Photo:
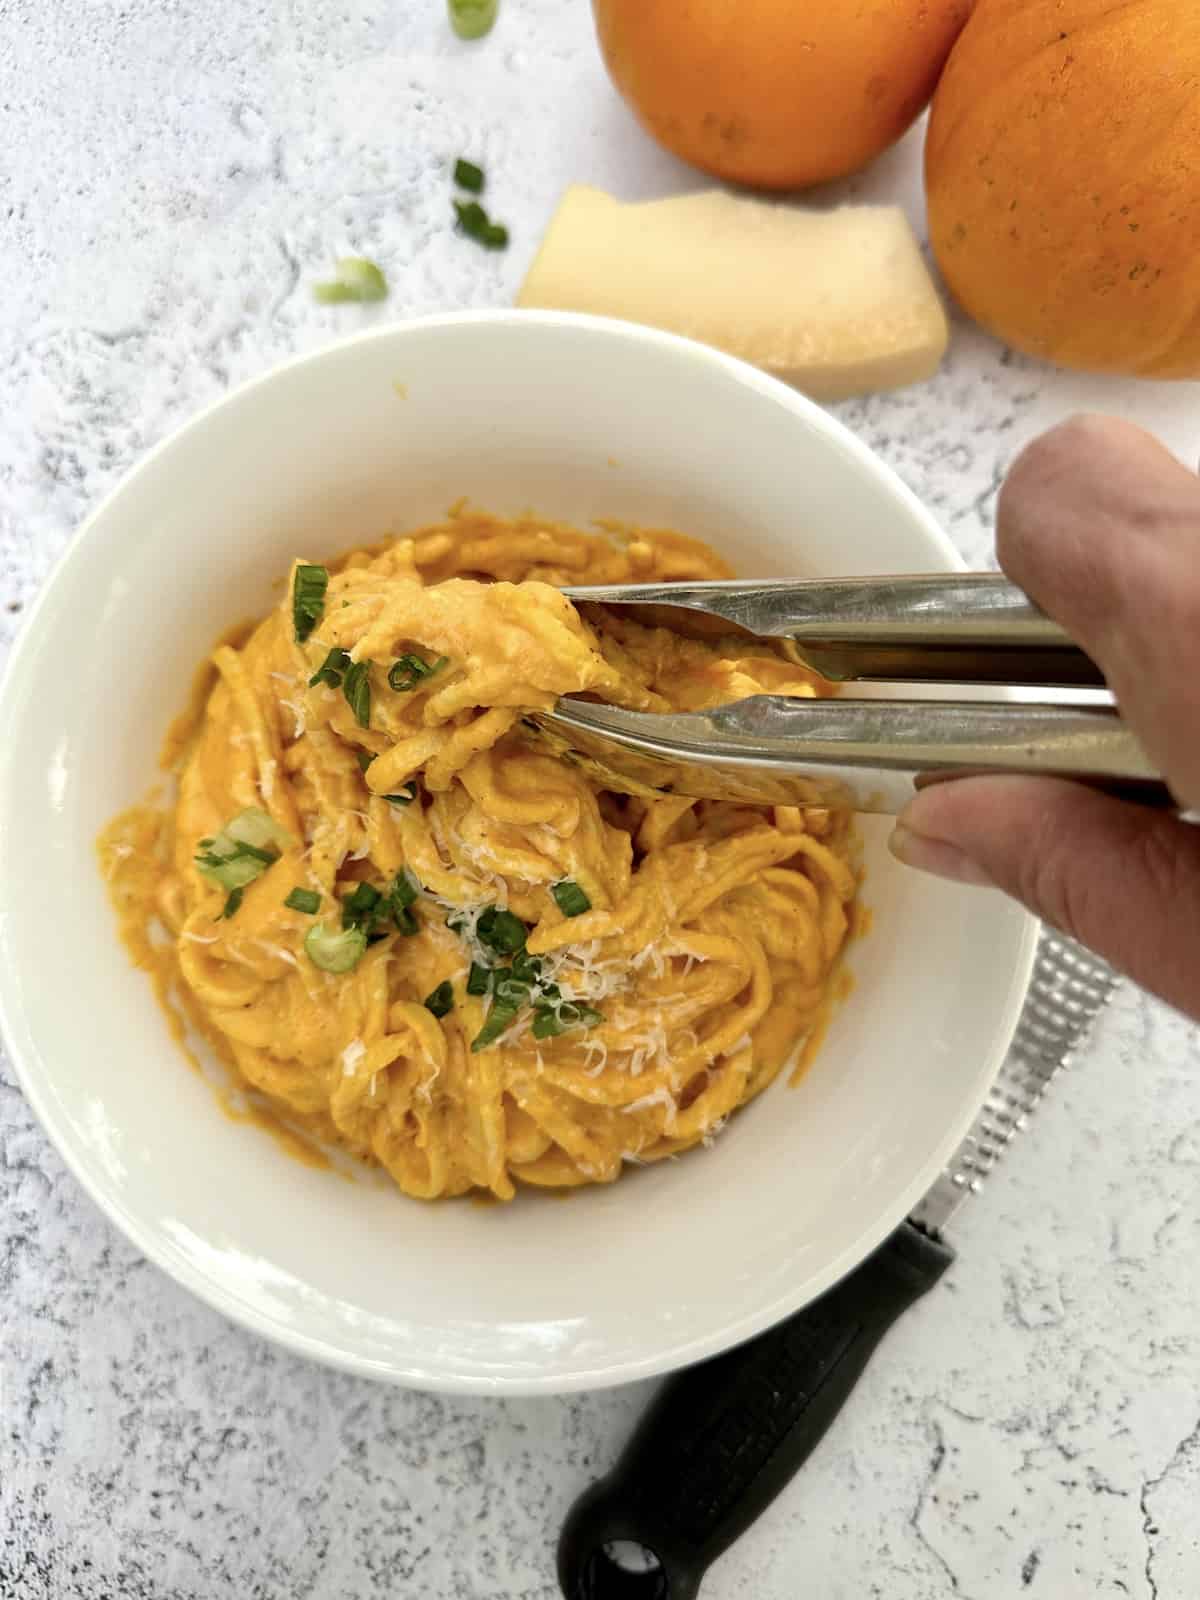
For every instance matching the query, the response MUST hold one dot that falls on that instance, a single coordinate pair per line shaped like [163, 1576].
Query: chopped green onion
[360, 905]
[243, 850]
[405, 797]
[570, 898]
[403, 890]
[441, 1001]
[501, 931]
[230, 872]
[468, 176]
[308, 599]
[526, 967]
[233, 902]
[254, 828]
[479, 979]
[408, 671]
[510, 990]
[400, 896]
[251, 852]
[355, 278]
[338, 951]
[551, 1020]
[499, 1019]
[471, 19]
[356, 686]
[331, 669]
[366, 907]
[306, 900]
[476, 224]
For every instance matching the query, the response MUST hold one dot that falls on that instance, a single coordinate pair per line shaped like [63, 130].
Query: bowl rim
[145, 1232]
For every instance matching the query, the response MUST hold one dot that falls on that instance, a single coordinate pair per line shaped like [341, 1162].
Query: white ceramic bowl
[576, 418]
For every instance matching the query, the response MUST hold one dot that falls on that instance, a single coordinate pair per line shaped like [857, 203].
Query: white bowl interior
[578, 420]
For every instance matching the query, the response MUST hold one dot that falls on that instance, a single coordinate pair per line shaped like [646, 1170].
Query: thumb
[1121, 879]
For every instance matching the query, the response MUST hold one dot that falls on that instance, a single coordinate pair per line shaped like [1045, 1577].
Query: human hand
[1100, 525]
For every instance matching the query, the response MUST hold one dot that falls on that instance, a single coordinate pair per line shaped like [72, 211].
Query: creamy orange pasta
[413, 933]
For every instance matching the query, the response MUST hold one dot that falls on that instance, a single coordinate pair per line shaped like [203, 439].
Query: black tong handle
[722, 1439]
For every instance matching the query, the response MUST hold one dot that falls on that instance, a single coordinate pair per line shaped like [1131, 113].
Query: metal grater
[1068, 990]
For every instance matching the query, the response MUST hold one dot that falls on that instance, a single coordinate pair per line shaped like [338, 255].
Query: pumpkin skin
[777, 94]
[1062, 170]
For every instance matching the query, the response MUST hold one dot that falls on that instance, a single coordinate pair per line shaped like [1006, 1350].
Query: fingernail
[937, 857]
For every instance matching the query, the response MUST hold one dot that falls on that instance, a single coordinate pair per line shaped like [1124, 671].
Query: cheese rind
[838, 303]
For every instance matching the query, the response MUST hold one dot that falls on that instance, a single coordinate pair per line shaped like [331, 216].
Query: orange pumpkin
[1063, 174]
[777, 94]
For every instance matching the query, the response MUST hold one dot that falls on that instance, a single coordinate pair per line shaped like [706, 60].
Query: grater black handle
[721, 1439]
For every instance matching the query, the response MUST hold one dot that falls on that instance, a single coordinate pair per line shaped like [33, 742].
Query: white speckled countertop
[174, 176]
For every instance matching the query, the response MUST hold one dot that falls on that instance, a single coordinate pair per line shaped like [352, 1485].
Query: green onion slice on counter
[468, 176]
[354, 278]
[471, 19]
[476, 224]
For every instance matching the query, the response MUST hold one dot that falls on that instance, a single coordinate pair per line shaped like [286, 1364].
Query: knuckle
[1158, 866]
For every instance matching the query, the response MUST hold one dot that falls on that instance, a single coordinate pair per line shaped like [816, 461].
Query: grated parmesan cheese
[298, 717]
[595, 1047]
[653, 957]
[710, 1134]
[467, 917]
[582, 975]
[662, 1096]
[276, 950]
[655, 1047]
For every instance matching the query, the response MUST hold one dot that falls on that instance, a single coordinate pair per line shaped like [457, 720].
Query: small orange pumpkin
[1062, 167]
[777, 94]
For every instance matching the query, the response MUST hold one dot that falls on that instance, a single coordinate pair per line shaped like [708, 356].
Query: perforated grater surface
[1068, 990]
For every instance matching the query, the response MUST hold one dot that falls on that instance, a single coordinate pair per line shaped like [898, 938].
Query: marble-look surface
[173, 178]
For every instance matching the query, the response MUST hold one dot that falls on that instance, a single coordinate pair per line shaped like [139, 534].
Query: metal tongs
[866, 754]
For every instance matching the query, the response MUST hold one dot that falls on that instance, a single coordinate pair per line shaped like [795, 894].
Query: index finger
[1100, 525]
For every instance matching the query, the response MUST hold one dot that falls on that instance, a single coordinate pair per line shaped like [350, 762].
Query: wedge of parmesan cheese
[837, 302]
